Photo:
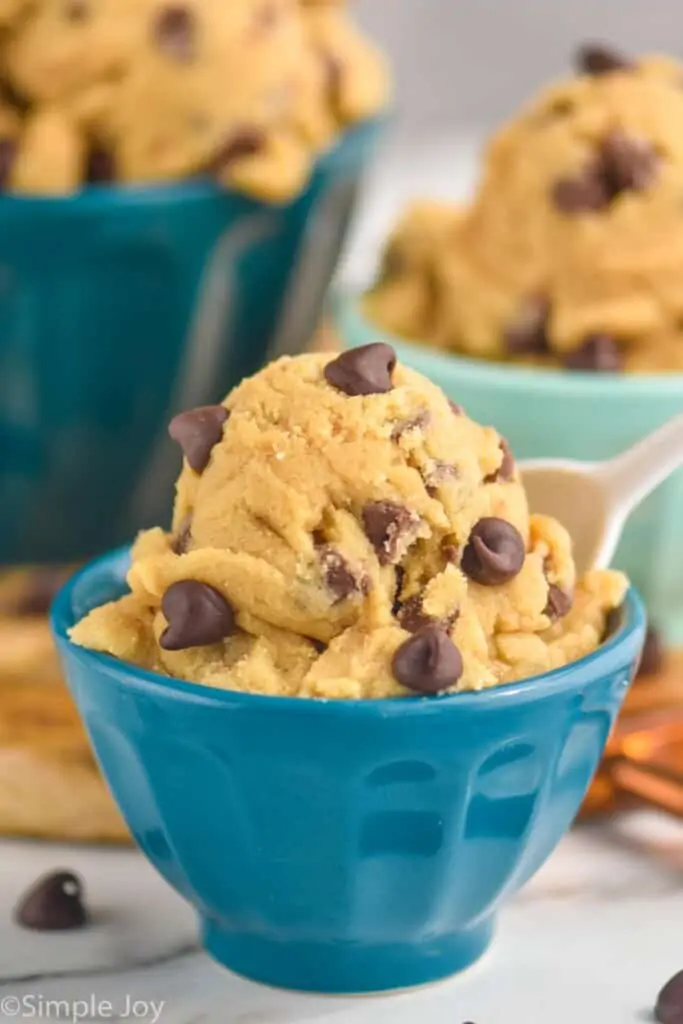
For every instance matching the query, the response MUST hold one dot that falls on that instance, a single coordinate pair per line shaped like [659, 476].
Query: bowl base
[345, 968]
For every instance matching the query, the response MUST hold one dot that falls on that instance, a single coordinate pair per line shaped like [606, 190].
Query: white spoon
[593, 500]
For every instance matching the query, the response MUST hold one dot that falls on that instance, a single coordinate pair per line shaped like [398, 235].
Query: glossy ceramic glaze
[118, 308]
[344, 846]
[554, 413]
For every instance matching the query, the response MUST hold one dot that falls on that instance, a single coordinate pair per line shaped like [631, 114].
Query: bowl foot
[345, 968]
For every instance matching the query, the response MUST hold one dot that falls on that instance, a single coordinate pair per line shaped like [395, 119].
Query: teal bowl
[344, 846]
[555, 413]
[121, 306]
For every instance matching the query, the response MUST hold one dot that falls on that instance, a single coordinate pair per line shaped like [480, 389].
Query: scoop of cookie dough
[342, 530]
[572, 249]
[250, 91]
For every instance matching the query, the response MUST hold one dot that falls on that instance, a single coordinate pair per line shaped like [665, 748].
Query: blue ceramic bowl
[573, 416]
[120, 307]
[344, 846]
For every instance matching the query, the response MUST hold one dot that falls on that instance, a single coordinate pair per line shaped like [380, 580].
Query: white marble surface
[589, 941]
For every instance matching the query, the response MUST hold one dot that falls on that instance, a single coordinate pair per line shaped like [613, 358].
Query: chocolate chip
[246, 140]
[494, 552]
[428, 662]
[174, 31]
[596, 59]
[101, 166]
[627, 163]
[76, 10]
[622, 164]
[456, 409]
[8, 153]
[652, 657]
[412, 616]
[54, 903]
[197, 616]
[506, 470]
[197, 431]
[385, 524]
[319, 645]
[339, 577]
[559, 602]
[582, 194]
[527, 334]
[362, 371]
[669, 1008]
[43, 584]
[399, 575]
[599, 353]
[421, 420]
[437, 474]
[183, 538]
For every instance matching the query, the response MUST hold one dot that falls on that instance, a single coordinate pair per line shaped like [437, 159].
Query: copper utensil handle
[656, 784]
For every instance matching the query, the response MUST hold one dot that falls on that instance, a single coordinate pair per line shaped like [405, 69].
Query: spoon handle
[633, 475]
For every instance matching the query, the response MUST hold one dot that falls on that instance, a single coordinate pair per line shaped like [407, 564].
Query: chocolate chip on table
[54, 903]
[385, 523]
[599, 353]
[652, 657]
[8, 153]
[340, 579]
[527, 334]
[363, 371]
[669, 1007]
[245, 140]
[183, 538]
[428, 661]
[197, 431]
[174, 31]
[197, 616]
[494, 553]
[559, 602]
[506, 470]
[597, 59]
[101, 166]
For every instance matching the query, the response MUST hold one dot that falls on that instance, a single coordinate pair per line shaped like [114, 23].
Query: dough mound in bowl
[342, 530]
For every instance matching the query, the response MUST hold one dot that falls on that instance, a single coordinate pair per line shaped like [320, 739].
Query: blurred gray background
[470, 61]
[461, 67]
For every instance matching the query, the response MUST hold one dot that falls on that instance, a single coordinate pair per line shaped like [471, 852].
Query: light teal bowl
[568, 415]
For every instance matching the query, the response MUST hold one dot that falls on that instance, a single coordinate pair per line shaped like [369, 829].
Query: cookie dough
[147, 91]
[342, 530]
[50, 787]
[571, 251]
